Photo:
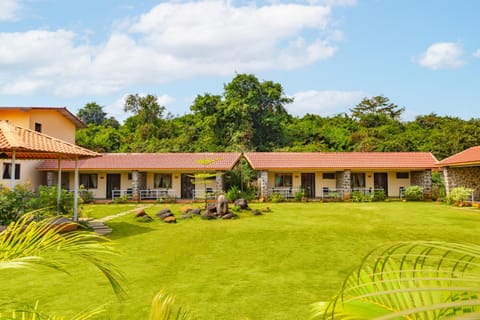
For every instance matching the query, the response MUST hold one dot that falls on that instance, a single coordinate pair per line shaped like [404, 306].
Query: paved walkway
[98, 225]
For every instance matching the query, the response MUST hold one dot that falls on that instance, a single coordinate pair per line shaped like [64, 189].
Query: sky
[424, 55]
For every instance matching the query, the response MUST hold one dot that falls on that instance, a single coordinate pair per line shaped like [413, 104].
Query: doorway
[187, 185]
[308, 184]
[380, 181]
[113, 183]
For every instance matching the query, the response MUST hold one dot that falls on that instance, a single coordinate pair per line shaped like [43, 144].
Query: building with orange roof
[462, 170]
[56, 122]
[148, 176]
[328, 174]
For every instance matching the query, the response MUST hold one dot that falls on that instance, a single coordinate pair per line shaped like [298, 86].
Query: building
[147, 176]
[463, 170]
[338, 174]
[56, 122]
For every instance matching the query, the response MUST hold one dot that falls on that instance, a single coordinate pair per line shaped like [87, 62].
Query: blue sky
[328, 54]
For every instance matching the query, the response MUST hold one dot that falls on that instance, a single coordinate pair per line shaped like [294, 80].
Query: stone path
[98, 225]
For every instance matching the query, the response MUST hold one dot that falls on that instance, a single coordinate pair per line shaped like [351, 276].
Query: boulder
[170, 219]
[196, 211]
[222, 205]
[188, 215]
[140, 212]
[163, 211]
[207, 215]
[144, 218]
[164, 215]
[229, 215]
[256, 212]
[241, 203]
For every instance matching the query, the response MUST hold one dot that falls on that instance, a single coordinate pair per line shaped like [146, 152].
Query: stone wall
[52, 178]
[219, 181]
[263, 183]
[344, 180]
[468, 177]
[139, 182]
[424, 180]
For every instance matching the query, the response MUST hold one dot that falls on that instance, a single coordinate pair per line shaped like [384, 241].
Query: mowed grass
[272, 266]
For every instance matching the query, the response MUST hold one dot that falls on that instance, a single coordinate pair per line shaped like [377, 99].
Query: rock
[188, 215]
[164, 215]
[140, 213]
[144, 218]
[211, 207]
[242, 203]
[208, 215]
[256, 212]
[170, 219]
[196, 211]
[229, 215]
[222, 205]
[163, 211]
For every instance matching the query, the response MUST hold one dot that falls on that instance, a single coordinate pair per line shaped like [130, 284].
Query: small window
[129, 176]
[7, 171]
[328, 176]
[89, 180]
[283, 180]
[403, 175]
[162, 180]
[38, 127]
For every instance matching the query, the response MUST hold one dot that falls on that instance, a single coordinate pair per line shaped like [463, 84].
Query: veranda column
[263, 181]
[135, 185]
[75, 192]
[219, 181]
[427, 184]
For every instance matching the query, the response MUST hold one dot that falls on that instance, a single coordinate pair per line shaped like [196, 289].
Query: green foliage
[92, 113]
[233, 194]
[47, 198]
[299, 195]
[359, 196]
[410, 280]
[459, 195]
[413, 193]
[438, 186]
[276, 197]
[163, 308]
[15, 203]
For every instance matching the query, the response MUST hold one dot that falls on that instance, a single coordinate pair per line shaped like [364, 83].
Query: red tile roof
[62, 110]
[467, 157]
[340, 160]
[151, 161]
[29, 144]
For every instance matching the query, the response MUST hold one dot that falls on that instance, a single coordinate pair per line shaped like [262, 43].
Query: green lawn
[257, 267]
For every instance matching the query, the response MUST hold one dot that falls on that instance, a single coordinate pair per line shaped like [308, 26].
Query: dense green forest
[250, 115]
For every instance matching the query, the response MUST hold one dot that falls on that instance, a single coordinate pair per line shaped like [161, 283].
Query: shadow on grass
[125, 229]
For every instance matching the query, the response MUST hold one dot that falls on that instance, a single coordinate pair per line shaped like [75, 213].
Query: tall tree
[92, 113]
[375, 111]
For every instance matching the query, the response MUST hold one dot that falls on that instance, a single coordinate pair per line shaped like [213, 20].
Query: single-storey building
[462, 170]
[326, 174]
[147, 176]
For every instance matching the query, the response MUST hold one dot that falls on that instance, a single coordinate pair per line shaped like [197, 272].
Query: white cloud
[324, 102]
[9, 10]
[476, 54]
[173, 40]
[442, 55]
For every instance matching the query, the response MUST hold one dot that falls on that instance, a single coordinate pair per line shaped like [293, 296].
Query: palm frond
[34, 313]
[30, 244]
[410, 280]
[163, 308]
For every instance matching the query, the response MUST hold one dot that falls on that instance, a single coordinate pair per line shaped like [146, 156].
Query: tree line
[251, 115]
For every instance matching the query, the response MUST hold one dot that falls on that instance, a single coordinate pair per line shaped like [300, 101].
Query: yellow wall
[28, 173]
[53, 124]
[394, 184]
[320, 183]
[17, 117]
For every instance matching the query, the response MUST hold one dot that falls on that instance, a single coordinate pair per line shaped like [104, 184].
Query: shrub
[358, 196]
[276, 197]
[299, 196]
[15, 203]
[459, 195]
[232, 194]
[378, 195]
[413, 193]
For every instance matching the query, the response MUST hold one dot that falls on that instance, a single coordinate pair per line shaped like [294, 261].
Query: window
[162, 180]
[283, 180]
[403, 175]
[328, 176]
[89, 180]
[129, 176]
[358, 180]
[38, 127]
[7, 171]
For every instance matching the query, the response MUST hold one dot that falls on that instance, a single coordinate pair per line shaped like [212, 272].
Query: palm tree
[410, 280]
